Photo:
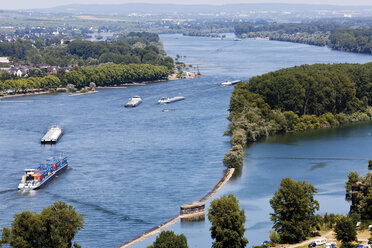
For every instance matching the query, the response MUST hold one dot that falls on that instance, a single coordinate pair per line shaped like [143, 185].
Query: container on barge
[35, 178]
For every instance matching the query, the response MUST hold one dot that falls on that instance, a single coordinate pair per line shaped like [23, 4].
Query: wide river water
[131, 169]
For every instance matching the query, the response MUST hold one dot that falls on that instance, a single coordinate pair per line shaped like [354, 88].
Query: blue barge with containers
[35, 178]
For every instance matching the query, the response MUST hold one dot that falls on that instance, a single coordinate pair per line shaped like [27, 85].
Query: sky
[30, 4]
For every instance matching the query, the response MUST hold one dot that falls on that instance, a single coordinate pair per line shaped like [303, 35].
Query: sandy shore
[86, 93]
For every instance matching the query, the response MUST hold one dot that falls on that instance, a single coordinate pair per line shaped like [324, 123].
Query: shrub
[342, 118]
[274, 237]
[238, 137]
[234, 157]
[52, 91]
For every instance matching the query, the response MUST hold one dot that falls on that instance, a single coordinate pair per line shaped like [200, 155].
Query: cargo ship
[52, 136]
[165, 100]
[133, 102]
[35, 178]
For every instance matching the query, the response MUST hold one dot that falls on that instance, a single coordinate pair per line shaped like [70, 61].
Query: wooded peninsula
[297, 99]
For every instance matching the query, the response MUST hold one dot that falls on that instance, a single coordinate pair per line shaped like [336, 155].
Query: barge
[35, 178]
[52, 136]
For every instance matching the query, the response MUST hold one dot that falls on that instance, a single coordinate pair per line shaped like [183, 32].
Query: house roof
[4, 60]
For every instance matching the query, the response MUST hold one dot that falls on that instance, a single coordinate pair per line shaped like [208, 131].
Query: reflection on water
[318, 165]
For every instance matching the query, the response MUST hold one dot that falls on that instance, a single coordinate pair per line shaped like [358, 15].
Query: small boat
[52, 136]
[165, 100]
[227, 83]
[237, 39]
[35, 178]
[133, 102]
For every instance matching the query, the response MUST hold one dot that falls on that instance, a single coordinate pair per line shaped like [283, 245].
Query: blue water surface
[131, 169]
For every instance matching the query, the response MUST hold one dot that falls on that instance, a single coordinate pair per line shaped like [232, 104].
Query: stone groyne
[188, 211]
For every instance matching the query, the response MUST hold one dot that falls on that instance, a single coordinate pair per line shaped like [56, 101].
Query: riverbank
[85, 93]
[228, 174]
[174, 76]
[90, 92]
[26, 94]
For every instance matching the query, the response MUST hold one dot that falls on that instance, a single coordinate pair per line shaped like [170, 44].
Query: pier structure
[52, 136]
[193, 211]
[188, 212]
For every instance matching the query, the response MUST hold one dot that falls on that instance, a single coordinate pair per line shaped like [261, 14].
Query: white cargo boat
[165, 100]
[133, 102]
[52, 136]
[228, 83]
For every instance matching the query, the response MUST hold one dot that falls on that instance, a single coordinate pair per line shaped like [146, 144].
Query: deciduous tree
[345, 230]
[294, 210]
[227, 223]
[168, 239]
[55, 227]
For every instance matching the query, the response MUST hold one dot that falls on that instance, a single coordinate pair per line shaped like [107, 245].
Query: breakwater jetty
[188, 211]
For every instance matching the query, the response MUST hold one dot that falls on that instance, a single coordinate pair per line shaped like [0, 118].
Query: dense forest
[134, 48]
[80, 77]
[297, 99]
[350, 37]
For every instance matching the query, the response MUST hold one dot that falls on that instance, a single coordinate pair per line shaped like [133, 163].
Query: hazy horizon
[38, 4]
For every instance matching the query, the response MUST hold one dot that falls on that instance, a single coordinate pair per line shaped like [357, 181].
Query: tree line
[80, 77]
[351, 40]
[112, 74]
[297, 99]
[132, 48]
[350, 37]
[25, 84]
[288, 28]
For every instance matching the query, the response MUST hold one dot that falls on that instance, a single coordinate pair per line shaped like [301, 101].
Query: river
[131, 169]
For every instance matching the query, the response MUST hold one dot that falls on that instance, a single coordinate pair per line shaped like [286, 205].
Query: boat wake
[102, 209]
[304, 158]
[7, 191]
